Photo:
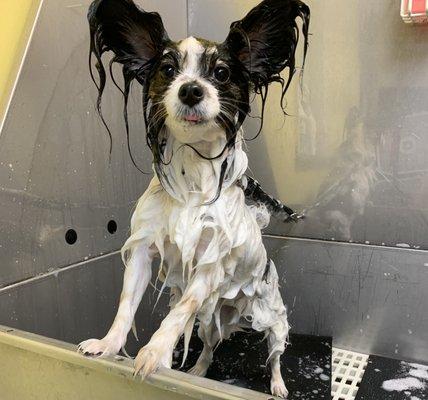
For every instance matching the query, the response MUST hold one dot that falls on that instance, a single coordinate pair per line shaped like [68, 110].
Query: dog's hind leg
[210, 337]
[137, 276]
[270, 315]
[276, 344]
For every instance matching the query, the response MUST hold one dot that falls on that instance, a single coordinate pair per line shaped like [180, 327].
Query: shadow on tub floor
[241, 361]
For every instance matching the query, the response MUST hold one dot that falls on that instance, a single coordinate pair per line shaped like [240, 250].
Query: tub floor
[388, 379]
[241, 361]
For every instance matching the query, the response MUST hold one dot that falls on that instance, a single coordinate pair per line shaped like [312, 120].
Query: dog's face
[194, 87]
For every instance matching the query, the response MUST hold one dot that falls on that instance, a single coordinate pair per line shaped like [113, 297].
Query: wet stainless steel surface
[55, 172]
[352, 151]
[76, 303]
[370, 299]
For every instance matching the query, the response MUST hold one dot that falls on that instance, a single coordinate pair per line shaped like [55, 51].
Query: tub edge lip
[167, 379]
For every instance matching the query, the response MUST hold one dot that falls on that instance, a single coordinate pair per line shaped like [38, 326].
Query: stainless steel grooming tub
[356, 269]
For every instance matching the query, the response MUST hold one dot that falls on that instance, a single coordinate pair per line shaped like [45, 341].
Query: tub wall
[351, 152]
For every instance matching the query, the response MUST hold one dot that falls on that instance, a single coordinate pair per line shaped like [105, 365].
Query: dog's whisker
[240, 109]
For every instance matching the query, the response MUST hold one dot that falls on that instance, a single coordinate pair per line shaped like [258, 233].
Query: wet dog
[196, 95]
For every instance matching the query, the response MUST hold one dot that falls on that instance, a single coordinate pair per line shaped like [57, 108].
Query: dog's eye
[168, 70]
[221, 74]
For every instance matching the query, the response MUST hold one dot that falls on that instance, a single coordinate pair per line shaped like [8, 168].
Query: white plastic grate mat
[348, 370]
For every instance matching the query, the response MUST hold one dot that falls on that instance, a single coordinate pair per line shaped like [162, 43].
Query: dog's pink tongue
[192, 118]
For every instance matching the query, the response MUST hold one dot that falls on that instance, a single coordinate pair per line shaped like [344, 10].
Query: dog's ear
[135, 36]
[265, 40]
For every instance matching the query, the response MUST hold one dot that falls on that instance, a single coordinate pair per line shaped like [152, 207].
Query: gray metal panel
[76, 303]
[369, 298]
[54, 170]
[352, 151]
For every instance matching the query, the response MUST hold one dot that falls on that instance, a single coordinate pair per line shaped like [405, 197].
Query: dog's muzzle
[191, 94]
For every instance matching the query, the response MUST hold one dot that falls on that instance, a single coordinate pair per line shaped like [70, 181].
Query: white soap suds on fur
[414, 398]
[402, 384]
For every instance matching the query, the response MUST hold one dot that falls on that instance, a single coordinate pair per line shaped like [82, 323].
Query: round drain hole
[112, 226]
[71, 236]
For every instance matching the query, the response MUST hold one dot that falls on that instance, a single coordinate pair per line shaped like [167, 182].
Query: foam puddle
[403, 384]
[414, 378]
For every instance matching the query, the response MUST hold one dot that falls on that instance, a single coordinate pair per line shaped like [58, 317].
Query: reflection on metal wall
[352, 152]
[55, 173]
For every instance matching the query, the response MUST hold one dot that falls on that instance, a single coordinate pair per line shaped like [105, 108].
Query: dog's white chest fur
[212, 259]
[221, 241]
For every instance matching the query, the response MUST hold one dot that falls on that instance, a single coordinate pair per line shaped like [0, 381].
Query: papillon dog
[194, 215]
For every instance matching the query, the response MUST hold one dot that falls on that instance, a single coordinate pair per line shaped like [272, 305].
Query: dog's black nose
[191, 94]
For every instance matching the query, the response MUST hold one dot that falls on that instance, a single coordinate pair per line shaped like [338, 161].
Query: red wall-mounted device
[414, 11]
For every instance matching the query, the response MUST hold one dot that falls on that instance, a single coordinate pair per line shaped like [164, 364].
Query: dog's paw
[149, 359]
[99, 347]
[199, 369]
[277, 388]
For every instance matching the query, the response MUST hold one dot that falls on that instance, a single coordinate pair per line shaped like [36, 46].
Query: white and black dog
[193, 214]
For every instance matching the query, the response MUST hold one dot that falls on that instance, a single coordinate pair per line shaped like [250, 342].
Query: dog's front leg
[158, 352]
[136, 278]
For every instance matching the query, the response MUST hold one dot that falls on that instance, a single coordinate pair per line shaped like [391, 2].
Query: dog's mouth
[193, 119]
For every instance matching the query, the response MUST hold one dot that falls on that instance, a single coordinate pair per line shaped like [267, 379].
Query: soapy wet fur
[193, 216]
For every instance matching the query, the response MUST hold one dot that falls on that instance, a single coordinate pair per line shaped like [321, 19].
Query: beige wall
[16, 18]
[329, 83]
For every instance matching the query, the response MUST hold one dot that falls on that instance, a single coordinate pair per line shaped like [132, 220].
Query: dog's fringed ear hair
[265, 41]
[136, 37]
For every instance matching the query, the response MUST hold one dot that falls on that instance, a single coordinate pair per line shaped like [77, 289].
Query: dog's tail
[255, 194]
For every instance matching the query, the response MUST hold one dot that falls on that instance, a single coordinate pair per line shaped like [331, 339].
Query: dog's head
[195, 85]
